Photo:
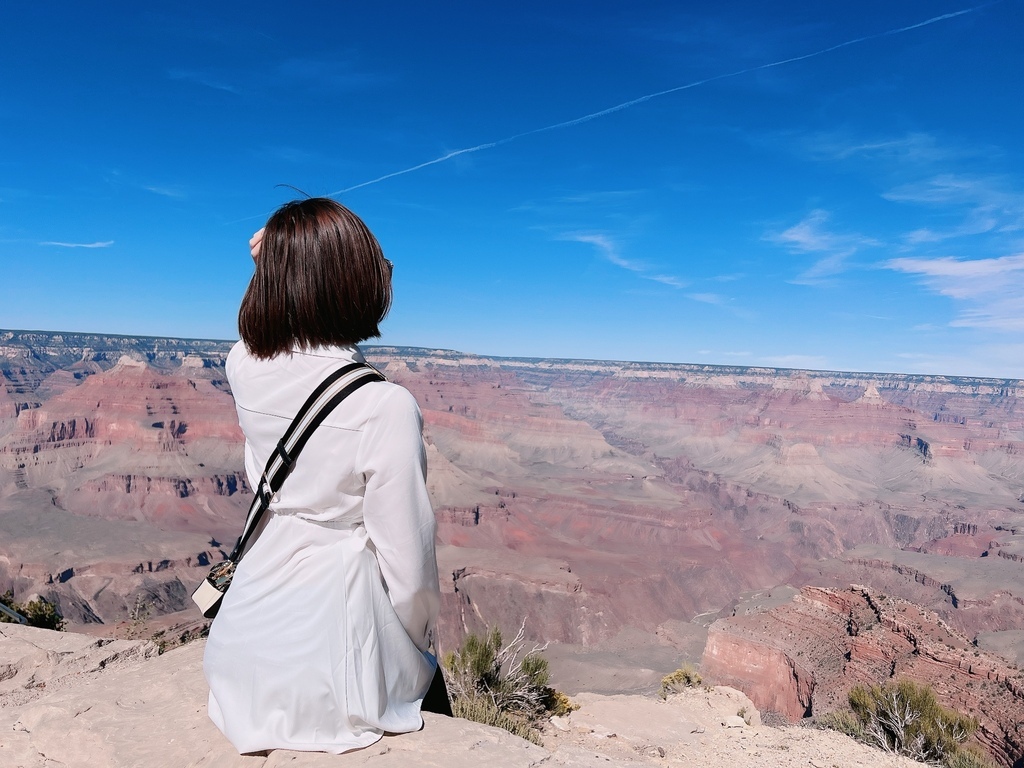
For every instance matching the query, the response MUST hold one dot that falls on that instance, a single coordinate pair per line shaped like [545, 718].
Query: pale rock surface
[690, 729]
[71, 700]
[34, 662]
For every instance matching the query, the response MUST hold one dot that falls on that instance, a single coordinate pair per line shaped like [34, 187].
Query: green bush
[482, 710]
[844, 721]
[499, 685]
[38, 613]
[906, 718]
[968, 757]
[684, 677]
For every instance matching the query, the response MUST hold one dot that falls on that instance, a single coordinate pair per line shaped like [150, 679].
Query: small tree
[500, 685]
[907, 719]
[513, 681]
[39, 612]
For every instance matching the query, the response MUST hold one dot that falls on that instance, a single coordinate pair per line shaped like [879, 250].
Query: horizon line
[607, 361]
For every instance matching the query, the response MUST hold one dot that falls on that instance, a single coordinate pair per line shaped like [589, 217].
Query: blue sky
[842, 186]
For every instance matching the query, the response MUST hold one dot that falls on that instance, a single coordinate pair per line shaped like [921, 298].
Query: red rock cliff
[802, 658]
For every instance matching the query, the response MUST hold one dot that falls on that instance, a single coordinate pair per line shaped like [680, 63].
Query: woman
[321, 642]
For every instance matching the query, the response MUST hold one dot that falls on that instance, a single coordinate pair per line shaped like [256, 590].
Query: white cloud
[944, 188]
[990, 289]
[977, 223]
[812, 236]
[723, 302]
[104, 244]
[999, 361]
[675, 282]
[968, 270]
[914, 148]
[985, 203]
[607, 247]
[807, 236]
[610, 250]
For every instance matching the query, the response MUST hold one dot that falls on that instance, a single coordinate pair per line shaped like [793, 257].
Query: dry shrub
[558, 704]
[482, 710]
[684, 677]
[906, 718]
[500, 685]
[844, 721]
[969, 757]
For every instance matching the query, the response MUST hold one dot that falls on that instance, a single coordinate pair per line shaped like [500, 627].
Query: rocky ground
[75, 700]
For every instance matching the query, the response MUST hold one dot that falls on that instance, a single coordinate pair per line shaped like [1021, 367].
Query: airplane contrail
[657, 94]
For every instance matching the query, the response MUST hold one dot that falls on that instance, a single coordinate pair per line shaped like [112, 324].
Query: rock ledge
[72, 700]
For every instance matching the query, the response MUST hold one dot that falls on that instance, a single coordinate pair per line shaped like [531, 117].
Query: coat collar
[347, 352]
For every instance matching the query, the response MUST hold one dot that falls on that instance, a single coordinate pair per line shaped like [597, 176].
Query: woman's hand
[255, 243]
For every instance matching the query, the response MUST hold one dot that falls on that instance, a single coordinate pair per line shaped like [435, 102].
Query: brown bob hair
[321, 279]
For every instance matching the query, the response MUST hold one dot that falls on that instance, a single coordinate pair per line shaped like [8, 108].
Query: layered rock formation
[803, 657]
[691, 484]
[119, 471]
[632, 465]
[618, 507]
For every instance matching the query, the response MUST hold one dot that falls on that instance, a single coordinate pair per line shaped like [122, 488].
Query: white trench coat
[321, 641]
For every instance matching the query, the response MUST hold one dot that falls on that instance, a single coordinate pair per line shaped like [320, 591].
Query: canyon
[627, 511]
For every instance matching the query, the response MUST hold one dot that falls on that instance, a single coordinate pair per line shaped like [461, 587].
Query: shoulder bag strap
[324, 399]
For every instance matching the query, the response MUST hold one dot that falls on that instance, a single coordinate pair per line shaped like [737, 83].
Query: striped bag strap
[324, 399]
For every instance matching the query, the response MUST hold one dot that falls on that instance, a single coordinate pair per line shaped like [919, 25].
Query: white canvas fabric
[321, 641]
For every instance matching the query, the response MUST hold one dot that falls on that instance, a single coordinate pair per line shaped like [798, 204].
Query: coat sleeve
[397, 513]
